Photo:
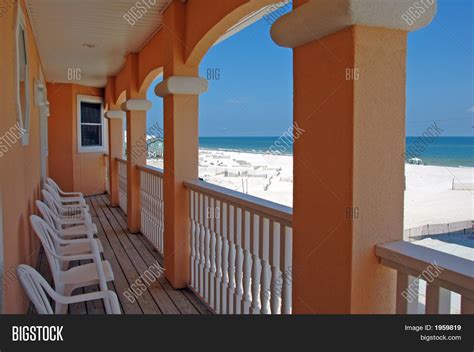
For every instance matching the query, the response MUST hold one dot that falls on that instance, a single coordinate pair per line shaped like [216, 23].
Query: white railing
[122, 178]
[107, 170]
[445, 276]
[241, 251]
[152, 206]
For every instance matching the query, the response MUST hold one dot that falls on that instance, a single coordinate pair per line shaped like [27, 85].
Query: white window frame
[24, 121]
[91, 149]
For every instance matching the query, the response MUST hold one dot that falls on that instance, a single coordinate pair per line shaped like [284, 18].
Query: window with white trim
[91, 124]
[23, 93]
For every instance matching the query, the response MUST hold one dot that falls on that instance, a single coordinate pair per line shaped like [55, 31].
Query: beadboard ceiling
[90, 35]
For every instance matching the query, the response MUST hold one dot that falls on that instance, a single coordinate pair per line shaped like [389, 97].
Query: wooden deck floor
[130, 256]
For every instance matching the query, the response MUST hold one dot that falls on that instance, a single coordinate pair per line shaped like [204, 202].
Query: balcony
[222, 251]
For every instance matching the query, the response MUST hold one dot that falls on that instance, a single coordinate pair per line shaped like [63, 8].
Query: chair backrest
[53, 184]
[48, 215]
[36, 288]
[54, 192]
[52, 202]
[46, 235]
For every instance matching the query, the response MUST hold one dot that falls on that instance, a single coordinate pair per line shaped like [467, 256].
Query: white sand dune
[428, 196]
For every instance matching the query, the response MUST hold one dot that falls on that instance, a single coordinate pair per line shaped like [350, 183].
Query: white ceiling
[65, 28]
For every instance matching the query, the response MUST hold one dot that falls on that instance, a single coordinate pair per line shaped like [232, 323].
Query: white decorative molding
[317, 19]
[181, 85]
[115, 114]
[136, 105]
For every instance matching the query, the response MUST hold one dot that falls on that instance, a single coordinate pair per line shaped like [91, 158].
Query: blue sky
[253, 93]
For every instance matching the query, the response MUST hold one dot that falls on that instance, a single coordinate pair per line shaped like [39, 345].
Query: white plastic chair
[69, 247]
[66, 228]
[38, 290]
[66, 281]
[70, 212]
[53, 184]
[73, 204]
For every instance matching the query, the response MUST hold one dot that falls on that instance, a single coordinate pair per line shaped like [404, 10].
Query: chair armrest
[109, 296]
[75, 241]
[71, 194]
[71, 258]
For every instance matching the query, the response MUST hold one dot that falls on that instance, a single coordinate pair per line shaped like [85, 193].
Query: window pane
[90, 112]
[91, 136]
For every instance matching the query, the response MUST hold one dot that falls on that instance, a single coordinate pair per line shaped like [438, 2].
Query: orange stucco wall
[20, 169]
[74, 171]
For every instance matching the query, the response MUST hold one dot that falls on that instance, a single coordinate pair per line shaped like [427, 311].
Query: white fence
[122, 175]
[241, 251]
[152, 206]
[441, 273]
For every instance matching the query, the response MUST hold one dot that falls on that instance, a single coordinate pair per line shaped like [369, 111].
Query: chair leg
[64, 290]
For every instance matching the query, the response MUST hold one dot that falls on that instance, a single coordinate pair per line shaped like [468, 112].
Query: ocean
[441, 151]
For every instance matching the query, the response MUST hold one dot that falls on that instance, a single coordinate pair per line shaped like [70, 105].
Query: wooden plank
[135, 266]
[137, 255]
[176, 296]
[151, 254]
[91, 208]
[123, 269]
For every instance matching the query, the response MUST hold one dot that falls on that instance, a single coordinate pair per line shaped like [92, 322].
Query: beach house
[73, 71]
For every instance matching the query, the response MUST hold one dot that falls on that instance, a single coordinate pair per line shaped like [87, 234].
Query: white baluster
[218, 282]
[254, 238]
[264, 256]
[276, 280]
[286, 245]
[225, 258]
[202, 236]
[212, 254]
[192, 237]
[246, 225]
[231, 272]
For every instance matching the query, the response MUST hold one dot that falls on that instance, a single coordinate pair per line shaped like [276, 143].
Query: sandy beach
[429, 198]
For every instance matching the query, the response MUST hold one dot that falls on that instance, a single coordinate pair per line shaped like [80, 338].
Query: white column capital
[319, 18]
[136, 105]
[182, 85]
[115, 114]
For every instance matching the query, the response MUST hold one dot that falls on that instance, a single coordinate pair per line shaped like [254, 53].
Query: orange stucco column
[181, 149]
[180, 164]
[349, 101]
[136, 155]
[115, 119]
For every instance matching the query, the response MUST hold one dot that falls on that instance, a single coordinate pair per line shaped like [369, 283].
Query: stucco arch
[208, 23]
[122, 97]
[148, 80]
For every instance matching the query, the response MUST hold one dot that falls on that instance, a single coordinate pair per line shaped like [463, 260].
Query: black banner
[295, 333]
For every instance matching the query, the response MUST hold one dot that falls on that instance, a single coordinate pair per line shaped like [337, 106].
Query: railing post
[115, 119]
[349, 113]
